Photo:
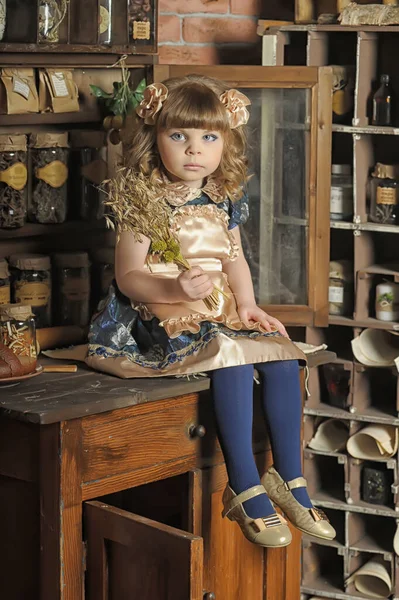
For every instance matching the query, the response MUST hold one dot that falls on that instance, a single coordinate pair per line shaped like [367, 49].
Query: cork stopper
[13, 143]
[386, 171]
[72, 260]
[30, 262]
[4, 272]
[17, 312]
[104, 256]
[49, 140]
[341, 269]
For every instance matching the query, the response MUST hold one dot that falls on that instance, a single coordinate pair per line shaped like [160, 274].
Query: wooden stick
[60, 369]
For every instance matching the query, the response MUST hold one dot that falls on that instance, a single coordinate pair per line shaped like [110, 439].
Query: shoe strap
[294, 484]
[252, 492]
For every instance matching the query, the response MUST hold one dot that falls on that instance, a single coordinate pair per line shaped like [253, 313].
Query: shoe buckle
[317, 514]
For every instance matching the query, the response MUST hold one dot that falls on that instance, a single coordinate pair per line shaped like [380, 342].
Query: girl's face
[190, 155]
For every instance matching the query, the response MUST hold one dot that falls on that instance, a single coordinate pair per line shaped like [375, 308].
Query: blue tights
[232, 390]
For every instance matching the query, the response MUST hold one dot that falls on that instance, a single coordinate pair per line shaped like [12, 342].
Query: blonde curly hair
[193, 103]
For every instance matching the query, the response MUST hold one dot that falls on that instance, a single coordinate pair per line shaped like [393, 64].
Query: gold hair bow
[154, 95]
[235, 103]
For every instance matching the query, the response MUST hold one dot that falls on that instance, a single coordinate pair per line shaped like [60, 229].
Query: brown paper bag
[58, 92]
[18, 93]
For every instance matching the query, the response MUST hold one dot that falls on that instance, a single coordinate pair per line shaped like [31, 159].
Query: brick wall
[209, 32]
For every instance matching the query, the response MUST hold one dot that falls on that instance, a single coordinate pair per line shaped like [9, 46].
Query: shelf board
[368, 544]
[36, 229]
[363, 323]
[366, 416]
[320, 542]
[325, 500]
[84, 116]
[366, 129]
[378, 227]
[336, 27]
[324, 453]
[324, 589]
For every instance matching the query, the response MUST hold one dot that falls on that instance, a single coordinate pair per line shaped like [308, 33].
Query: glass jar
[140, 16]
[18, 332]
[49, 156]
[103, 272]
[340, 288]
[3, 17]
[89, 160]
[387, 301]
[31, 284]
[341, 199]
[13, 181]
[5, 296]
[384, 194]
[72, 296]
[104, 21]
[343, 93]
[51, 14]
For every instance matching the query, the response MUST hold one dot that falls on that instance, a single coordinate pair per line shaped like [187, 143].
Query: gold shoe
[270, 532]
[309, 520]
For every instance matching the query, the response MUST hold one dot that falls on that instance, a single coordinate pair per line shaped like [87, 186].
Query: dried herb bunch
[48, 204]
[12, 202]
[137, 206]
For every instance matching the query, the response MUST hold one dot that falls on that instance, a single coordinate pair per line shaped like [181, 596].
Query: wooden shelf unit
[327, 565]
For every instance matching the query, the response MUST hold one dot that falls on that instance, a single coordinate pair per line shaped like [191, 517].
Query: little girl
[190, 146]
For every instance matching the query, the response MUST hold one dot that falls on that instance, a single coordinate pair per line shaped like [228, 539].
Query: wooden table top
[53, 397]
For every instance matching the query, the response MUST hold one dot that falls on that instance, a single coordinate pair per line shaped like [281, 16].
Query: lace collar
[178, 194]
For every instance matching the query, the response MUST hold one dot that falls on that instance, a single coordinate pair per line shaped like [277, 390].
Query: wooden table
[115, 485]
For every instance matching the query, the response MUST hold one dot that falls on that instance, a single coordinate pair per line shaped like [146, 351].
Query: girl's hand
[194, 284]
[255, 314]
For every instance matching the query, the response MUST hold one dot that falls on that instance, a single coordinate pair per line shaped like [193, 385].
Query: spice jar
[89, 160]
[103, 272]
[51, 14]
[4, 282]
[49, 156]
[31, 284]
[104, 21]
[72, 296]
[18, 332]
[13, 181]
[387, 301]
[3, 16]
[340, 289]
[384, 194]
[139, 18]
[341, 200]
[343, 93]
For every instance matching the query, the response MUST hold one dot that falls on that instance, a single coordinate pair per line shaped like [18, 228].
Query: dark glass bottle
[383, 103]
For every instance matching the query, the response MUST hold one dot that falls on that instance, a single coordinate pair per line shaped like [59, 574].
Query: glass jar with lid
[104, 21]
[18, 332]
[13, 181]
[49, 156]
[340, 289]
[103, 272]
[341, 200]
[5, 295]
[31, 284]
[89, 160]
[384, 194]
[72, 277]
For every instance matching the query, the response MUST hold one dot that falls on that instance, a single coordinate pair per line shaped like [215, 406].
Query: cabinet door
[286, 239]
[129, 556]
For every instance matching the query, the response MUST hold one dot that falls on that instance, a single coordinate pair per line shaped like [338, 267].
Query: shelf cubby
[327, 474]
[387, 473]
[323, 568]
[370, 533]
[375, 391]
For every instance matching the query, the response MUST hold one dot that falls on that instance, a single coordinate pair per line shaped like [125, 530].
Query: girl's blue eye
[210, 137]
[178, 137]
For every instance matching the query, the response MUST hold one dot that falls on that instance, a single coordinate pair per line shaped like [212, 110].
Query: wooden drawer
[138, 437]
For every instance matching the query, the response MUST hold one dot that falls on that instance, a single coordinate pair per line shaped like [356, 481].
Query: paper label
[141, 30]
[342, 102]
[104, 20]
[34, 294]
[54, 174]
[59, 85]
[387, 195]
[341, 200]
[96, 171]
[21, 88]
[336, 294]
[15, 176]
[5, 297]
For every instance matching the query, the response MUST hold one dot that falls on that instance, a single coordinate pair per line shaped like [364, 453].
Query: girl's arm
[240, 281]
[137, 283]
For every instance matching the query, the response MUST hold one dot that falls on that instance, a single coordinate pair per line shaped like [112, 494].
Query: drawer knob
[196, 431]
[209, 596]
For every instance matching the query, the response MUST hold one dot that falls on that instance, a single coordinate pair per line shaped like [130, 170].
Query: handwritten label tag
[59, 85]
[141, 30]
[21, 88]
